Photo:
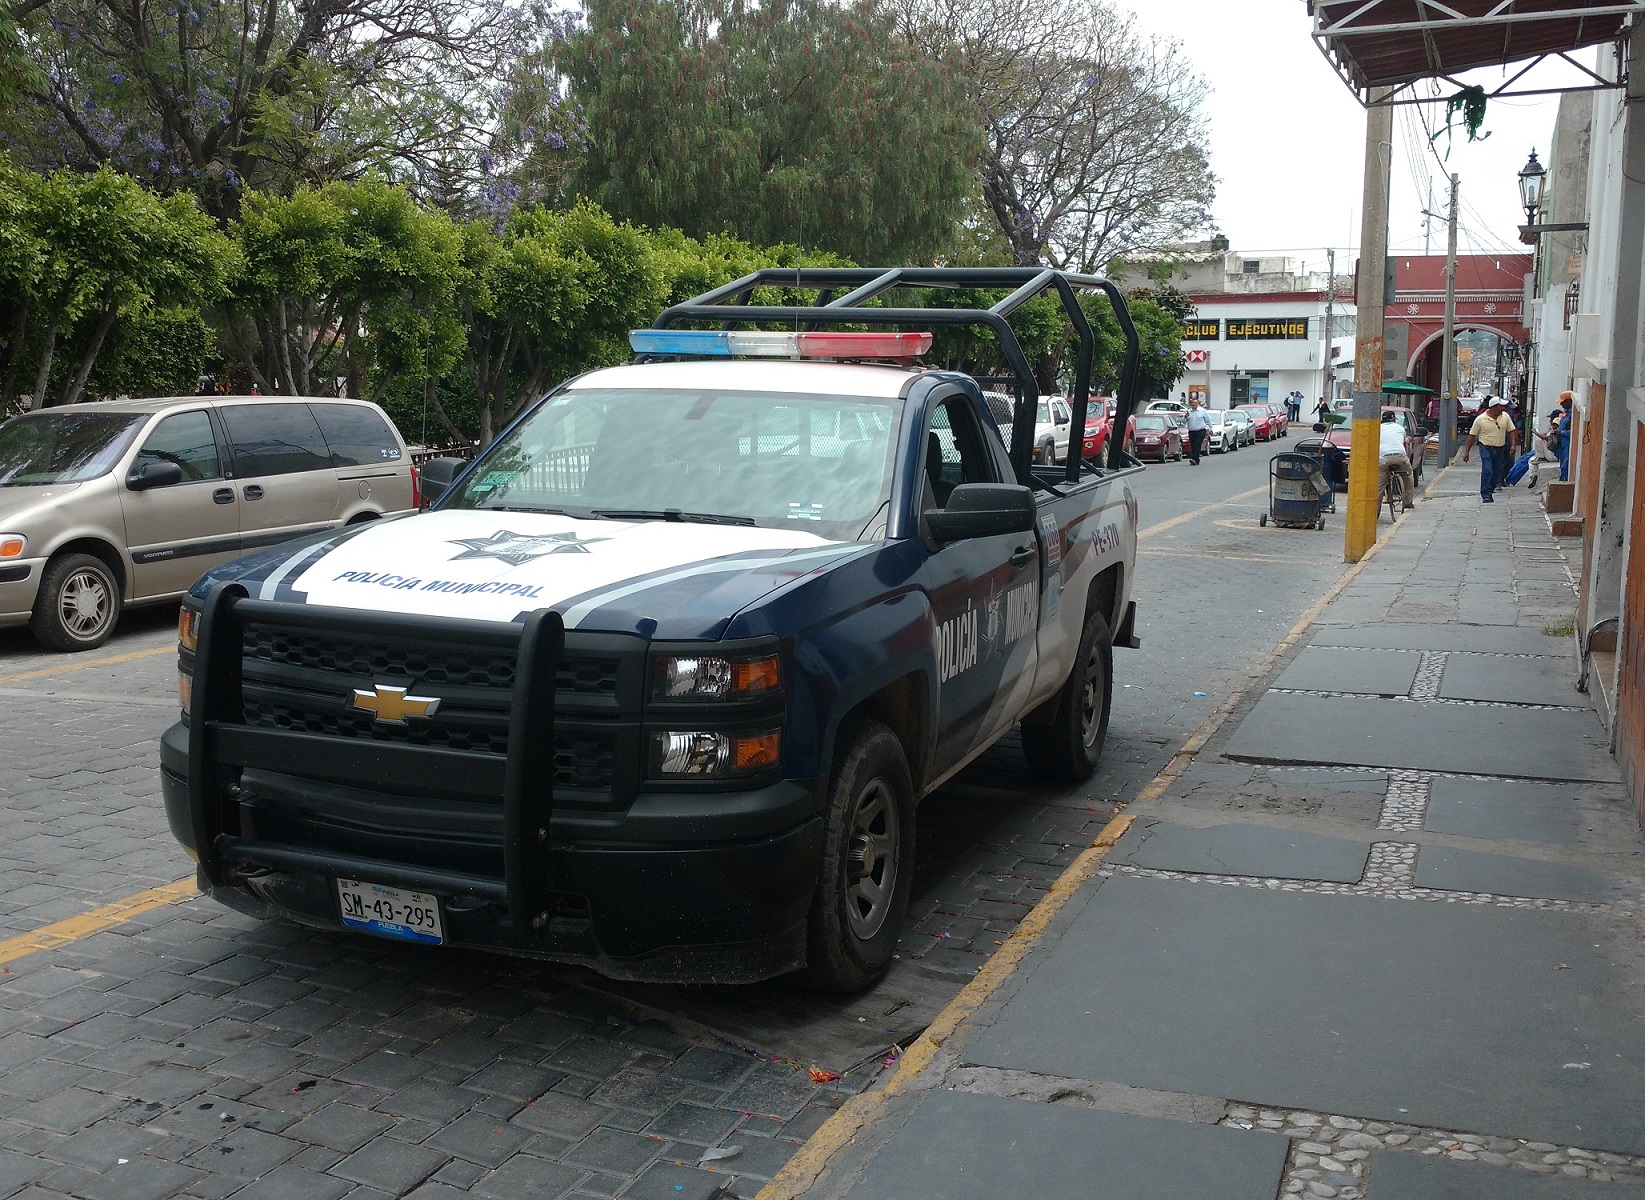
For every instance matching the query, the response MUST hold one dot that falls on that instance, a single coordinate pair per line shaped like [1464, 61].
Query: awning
[1395, 43]
[1401, 387]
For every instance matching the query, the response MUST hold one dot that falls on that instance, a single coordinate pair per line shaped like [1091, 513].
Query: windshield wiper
[669, 514]
[527, 508]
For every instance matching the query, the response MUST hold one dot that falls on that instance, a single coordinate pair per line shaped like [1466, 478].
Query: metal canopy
[1396, 44]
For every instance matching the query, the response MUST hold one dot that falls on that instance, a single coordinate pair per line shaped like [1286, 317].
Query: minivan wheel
[78, 603]
[867, 864]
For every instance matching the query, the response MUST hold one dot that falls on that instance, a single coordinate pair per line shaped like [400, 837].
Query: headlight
[12, 545]
[712, 677]
[707, 754]
[188, 628]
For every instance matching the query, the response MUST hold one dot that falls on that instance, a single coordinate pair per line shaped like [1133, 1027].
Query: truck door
[984, 595]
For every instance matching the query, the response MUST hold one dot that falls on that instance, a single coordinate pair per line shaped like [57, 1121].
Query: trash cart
[1295, 486]
[1322, 452]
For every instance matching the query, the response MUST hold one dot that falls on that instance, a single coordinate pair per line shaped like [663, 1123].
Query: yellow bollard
[1364, 461]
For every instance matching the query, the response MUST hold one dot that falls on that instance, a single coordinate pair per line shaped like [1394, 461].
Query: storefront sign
[1201, 331]
[1267, 329]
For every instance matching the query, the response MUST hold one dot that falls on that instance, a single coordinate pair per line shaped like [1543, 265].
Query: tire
[854, 922]
[1263, 520]
[78, 604]
[1069, 748]
[1321, 524]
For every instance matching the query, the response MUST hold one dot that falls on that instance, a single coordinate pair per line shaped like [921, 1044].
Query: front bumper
[19, 584]
[616, 896]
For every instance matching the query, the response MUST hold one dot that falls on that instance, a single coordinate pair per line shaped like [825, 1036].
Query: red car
[1262, 419]
[1099, 421]
[1155, 436]
[1342, 437]
[1282, 422]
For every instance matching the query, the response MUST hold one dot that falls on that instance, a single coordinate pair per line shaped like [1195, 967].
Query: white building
[1247, 348]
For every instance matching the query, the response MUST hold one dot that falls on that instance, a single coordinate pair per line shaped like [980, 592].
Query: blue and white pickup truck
[657, 682]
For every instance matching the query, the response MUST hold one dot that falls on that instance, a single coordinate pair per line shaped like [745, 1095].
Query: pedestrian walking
[1391, 448]
[1497, 439]
[1321, 409]
[1198, 425]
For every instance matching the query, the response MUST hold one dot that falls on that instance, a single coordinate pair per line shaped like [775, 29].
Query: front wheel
[1070, 747]
[867, 862]
[78, 603]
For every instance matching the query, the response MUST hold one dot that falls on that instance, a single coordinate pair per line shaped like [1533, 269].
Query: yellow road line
[1199, 512]
[849, 1120]
[804, 1168]
[82, 664]
[61, 933]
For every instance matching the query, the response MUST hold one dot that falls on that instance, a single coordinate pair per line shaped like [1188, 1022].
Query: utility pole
[1428, 219]
[1327, 379]
[1364, 457]
[1448, 388]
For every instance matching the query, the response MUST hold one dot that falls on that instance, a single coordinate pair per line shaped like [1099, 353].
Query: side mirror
[153, 475]
[435, 476]
[983, 510]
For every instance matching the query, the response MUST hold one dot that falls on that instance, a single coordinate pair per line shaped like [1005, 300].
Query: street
[171, 1045]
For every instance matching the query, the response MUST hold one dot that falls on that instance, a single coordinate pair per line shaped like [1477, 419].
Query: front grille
[584, 761]
[463, 666]
[589, 676]
[344, 723]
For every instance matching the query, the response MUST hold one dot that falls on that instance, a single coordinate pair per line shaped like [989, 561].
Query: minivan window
[185, 439]
[357, 436]
[62, 447]
[275, 439]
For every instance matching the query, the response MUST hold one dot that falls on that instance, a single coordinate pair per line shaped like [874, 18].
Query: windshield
[1153, 423]
[62, 447]
[822, 463]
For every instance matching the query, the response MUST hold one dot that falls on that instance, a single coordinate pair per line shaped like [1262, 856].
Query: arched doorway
[1489, 360]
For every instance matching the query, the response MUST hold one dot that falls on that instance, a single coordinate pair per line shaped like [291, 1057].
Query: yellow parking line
[61, 933]
[1198, 512]
[82, 664]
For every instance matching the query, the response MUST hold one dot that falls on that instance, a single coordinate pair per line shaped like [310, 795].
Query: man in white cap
[1498, 439]
[1394, 458]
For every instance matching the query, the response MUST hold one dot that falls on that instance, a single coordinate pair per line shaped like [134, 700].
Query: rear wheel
[1070, 747]
[867, 862]
[1263, 520]
[78, 603]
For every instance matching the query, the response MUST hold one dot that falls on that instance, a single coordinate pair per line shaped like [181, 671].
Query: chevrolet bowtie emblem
[392, 706]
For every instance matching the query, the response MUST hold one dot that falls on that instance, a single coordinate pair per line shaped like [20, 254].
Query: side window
[955, 452]
[1064, 413]
[356, 435]
[275, 439]
[186, 440]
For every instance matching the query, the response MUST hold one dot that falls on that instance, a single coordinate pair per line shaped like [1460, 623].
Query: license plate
[390, 912]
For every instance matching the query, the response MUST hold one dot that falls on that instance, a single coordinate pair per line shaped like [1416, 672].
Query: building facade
[1251, 347]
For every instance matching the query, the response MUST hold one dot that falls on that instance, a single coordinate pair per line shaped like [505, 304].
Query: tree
[80, 252]
[800, 121]
[215, 97]
[1094, 138]
[343, 287]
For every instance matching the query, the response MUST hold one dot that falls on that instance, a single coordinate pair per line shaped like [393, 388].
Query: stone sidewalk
[1381, 937]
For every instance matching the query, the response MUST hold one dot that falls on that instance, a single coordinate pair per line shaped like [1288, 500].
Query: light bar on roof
[763, 344]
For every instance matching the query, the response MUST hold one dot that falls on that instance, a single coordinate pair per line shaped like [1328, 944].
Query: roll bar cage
[842, 293]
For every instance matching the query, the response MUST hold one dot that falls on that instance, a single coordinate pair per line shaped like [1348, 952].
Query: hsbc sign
[1197, 358]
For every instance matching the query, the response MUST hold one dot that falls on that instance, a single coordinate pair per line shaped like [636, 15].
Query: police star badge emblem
[518, 548]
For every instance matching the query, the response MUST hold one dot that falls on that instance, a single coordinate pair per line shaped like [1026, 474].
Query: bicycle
[1393, 494]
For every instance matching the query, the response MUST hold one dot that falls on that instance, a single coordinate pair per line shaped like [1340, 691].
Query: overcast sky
[1288, 139]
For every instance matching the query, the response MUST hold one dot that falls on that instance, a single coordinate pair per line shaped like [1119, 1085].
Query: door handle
[253, 492]
[1022, 554]
[223, 496]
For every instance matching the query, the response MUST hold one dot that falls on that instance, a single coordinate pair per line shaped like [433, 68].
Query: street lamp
[1532, 176]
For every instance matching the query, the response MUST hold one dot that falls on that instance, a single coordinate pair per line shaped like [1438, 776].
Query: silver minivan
[129, 501]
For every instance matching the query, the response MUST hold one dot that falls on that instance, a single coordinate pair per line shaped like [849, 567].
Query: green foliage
[161, 353]
[79, 253]
[793, 121]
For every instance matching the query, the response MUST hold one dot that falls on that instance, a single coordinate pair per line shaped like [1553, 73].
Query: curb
[812, 1159]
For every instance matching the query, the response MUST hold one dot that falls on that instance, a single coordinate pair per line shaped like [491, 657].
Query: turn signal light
[709, 677]
[11, 546]
[185, 690]
[188, 623]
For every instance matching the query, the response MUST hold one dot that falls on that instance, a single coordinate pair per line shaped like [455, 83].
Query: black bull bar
[222, 745]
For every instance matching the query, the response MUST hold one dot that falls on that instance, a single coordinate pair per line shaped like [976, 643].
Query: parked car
[1154, 406]
[1342, 437]
[130, 501]
[1223, 433]
[1156, 437]
[1245, 429]
[1098, 425]
[1051, 430]
[1262, 421]
[1282, 418]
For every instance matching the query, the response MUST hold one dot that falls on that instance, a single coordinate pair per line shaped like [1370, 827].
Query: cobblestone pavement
[192, 1051]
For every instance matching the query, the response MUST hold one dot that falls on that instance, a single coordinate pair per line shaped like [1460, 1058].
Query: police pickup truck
[657, 681]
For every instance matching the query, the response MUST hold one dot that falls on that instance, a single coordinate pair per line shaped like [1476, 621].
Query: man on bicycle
[1394, 458]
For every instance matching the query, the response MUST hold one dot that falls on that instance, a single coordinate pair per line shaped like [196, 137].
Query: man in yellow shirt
[1498, 441]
